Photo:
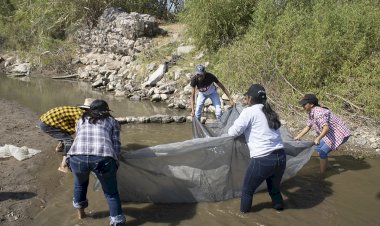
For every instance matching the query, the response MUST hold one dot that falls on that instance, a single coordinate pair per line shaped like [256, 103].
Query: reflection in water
[41, 94]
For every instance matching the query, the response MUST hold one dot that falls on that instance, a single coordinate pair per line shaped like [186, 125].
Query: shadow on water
[171, 214]
[133, 147]
[16, 195]
[308, 189]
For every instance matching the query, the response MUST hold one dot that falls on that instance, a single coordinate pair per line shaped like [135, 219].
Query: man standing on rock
[59, 123]
[205, 83]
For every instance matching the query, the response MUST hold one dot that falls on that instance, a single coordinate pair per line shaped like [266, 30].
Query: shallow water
[349, 195]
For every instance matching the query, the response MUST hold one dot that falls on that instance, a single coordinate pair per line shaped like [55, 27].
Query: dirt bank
[25, 186]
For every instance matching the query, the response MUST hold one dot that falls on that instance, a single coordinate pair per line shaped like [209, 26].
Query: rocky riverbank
[115, 56]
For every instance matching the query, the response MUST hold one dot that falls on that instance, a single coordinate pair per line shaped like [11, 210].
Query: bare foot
[63, 169]
[81, 214]
[59, 147]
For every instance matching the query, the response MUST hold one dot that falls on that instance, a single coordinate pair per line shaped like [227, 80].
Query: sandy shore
[25, 186]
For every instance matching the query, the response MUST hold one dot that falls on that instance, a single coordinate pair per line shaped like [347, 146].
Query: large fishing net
[209, 167]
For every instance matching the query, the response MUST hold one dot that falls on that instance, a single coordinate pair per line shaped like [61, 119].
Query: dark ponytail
[259, 96]
[272, 116]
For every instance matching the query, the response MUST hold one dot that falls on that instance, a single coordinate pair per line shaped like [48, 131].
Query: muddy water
[349, 195]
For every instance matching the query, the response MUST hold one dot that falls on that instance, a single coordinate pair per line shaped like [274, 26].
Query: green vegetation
[40, 29]
[330, 48]
[327, 47]
[215, 23]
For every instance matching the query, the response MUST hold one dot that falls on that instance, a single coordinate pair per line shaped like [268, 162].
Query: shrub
[216, 23]
[330, 48]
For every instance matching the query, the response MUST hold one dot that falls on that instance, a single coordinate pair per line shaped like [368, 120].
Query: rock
[156, 76]
[156, 98]
[143, 119]
[184, 49]
[164, 96]
[135, 98]
[156, 119]
[167, 119]
[20, 69]
[179, 119]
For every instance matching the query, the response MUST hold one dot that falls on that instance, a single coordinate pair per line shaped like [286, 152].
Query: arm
[302, 133]
[226, 92]
[116, 137]
[192, 101]
[325, 130]
[240, 125]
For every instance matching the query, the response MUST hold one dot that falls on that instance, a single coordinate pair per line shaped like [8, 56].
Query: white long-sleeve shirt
[260, 138]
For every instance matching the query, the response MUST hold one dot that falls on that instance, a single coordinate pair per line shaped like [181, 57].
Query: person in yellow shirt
[59, 123]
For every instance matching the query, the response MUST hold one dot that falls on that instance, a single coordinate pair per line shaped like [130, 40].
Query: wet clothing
[269, 168]
[268, 159]
[100, 139]
[95, 149]
[63, 118]
[338, 130]
[105, 169]
[323, 149]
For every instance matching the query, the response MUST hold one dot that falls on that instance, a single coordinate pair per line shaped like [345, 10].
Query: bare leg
[81, 213]
[323, 165]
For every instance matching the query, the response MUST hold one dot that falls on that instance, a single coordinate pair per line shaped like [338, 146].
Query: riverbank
[25, 185]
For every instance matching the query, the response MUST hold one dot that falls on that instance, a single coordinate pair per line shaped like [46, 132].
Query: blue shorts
[323, 149]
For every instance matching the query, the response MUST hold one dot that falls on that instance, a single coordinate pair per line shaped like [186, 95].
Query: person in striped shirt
[331, 130]
[59, 123]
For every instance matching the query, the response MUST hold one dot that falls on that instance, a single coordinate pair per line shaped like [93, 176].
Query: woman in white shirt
[260, 126]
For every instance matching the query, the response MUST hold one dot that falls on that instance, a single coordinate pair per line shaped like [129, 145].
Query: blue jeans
[58, 134]
[105, 169]
[269, 168]
[323, 149]
[215, 101]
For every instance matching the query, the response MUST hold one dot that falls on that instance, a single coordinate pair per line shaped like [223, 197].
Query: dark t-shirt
[204, 84]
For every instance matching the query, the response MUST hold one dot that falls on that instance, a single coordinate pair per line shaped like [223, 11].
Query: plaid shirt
[318, 117]
[100, 139]
[63, 118]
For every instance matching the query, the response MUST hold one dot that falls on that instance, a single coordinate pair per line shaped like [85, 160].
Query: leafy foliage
[40, 26]
[330, 48]
[216, 23]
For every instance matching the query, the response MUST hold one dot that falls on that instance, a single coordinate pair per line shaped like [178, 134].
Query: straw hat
[87, 103]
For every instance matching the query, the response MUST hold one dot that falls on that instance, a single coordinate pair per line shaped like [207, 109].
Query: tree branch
[345, 100]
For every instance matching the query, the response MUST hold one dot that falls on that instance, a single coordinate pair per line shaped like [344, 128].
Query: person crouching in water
[96, 149]
[332, 131]
[260, 126]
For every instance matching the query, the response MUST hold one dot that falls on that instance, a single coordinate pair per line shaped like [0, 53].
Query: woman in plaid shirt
[332, 131]
[96, 148]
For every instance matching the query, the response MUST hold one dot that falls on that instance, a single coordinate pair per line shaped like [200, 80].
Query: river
[349, 195]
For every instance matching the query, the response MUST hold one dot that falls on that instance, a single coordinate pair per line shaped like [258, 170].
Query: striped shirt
[100, 139]
[318, 117]
[63, 118]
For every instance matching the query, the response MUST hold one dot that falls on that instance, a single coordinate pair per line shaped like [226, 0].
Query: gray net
[209, 167]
